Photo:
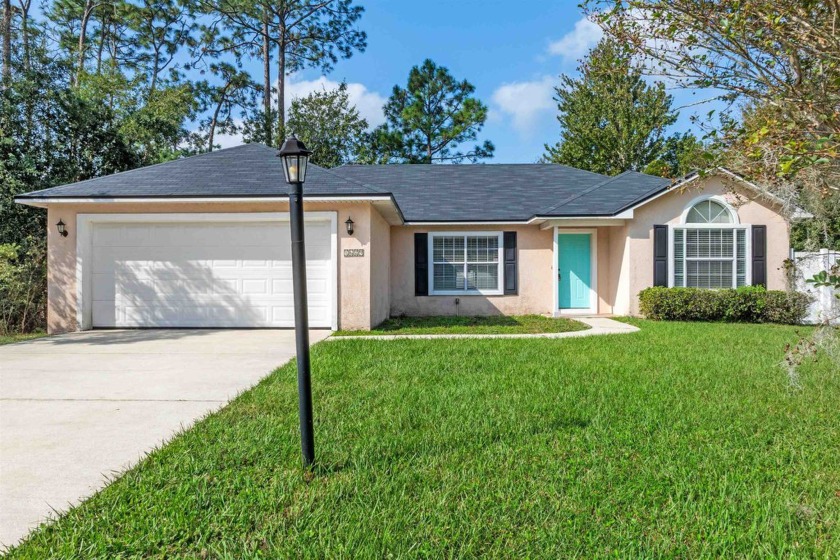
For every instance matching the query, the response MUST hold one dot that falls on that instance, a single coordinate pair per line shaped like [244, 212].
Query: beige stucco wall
[535, 250]
[537, 274]
[354, 284]
[619, 264]
[668, 210]
[381, 283]
[380, 271]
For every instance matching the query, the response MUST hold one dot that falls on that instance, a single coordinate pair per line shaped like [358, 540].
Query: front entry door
[574, 270]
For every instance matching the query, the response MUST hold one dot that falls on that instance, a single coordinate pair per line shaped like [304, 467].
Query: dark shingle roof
[424, 193]
[503, 192]
[244, 171]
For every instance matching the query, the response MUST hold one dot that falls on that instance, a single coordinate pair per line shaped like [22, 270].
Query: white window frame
[735, 225]
[465, 292]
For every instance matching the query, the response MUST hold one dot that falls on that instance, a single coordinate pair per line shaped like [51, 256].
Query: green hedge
[750, 304]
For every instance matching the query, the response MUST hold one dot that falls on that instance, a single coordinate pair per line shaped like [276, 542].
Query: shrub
[749, 304]
[786, 307]
[23, 287]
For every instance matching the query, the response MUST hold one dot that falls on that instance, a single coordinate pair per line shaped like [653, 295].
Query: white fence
[825, 306]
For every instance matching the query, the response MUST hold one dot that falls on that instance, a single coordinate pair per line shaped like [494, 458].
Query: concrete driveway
[77, 409]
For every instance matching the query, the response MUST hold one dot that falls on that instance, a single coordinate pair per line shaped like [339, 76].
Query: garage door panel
[256, 264]
[205, 275]
[116, 235]
[314, 288]
[195, 316]
[254, 286]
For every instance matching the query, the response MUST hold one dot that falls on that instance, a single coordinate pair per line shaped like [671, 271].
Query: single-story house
[204, 242]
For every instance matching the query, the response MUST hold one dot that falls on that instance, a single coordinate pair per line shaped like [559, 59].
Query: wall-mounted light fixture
[349, 224]
[62, 228]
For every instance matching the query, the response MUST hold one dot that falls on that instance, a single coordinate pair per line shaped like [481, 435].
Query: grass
[682, 440]
[499, 324]
[16, 337]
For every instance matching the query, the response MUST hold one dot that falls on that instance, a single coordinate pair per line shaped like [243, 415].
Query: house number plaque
[354, 252]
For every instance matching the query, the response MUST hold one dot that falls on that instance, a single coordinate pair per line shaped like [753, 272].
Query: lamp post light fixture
[62, 228]
[295, 157]
[349, 224]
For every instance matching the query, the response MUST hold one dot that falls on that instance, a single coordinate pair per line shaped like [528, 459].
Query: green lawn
[682, 440]
[12, 338]
[500, 324]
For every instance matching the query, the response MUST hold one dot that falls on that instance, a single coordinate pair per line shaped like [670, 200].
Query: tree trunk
[82, 38]
[212, 132]
[7, 42]
[24, 31]
[266, 82]
[281, 88]
[215, 120]
[100, 50]
[155, 64]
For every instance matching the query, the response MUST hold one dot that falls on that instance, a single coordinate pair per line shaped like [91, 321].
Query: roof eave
[45, 202]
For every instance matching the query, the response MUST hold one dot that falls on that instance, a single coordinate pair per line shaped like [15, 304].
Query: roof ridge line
[583, 192]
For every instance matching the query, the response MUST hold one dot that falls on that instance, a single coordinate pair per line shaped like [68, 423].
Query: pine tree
[612, 120]
[428, 119]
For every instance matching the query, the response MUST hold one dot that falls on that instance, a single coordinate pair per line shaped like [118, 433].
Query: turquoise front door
[574, 270]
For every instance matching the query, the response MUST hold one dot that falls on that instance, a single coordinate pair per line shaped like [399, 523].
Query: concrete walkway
[77, 409]
[598, 326]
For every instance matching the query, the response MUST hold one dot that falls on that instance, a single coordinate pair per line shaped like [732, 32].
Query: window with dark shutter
[759, 255]
[421, 264]
[511, 268]
[660, 256]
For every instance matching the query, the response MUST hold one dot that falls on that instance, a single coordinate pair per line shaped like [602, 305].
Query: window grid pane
[710, 258]
[709, 243]
[709, 274]
[679, 257]
[708, 212]
[465, 262]
[448, 249]
[482, 249]
[448, 277]
[482, 276]
[741, 261]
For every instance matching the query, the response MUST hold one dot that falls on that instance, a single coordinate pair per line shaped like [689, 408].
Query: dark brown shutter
[421, 264]
[660, 256]
[511, 269]
[759, 255]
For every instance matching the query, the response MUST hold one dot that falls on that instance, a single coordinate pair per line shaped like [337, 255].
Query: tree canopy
[330, 125]
[775, 61]
[429, 119]
[612, 120]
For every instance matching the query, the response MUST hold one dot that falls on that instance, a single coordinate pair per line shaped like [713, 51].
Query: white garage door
[206, 274]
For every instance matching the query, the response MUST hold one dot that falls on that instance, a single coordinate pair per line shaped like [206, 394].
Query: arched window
[711, 247]
[709, 212]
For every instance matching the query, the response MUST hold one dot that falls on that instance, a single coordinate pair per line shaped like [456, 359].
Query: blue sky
[512, 54]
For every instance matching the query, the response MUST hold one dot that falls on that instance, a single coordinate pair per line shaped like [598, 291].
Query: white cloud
[369, 103]
[525, 103]
[228, 140]
[577, 42]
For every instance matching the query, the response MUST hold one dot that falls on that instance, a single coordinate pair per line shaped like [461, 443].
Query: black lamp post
[295, 156]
